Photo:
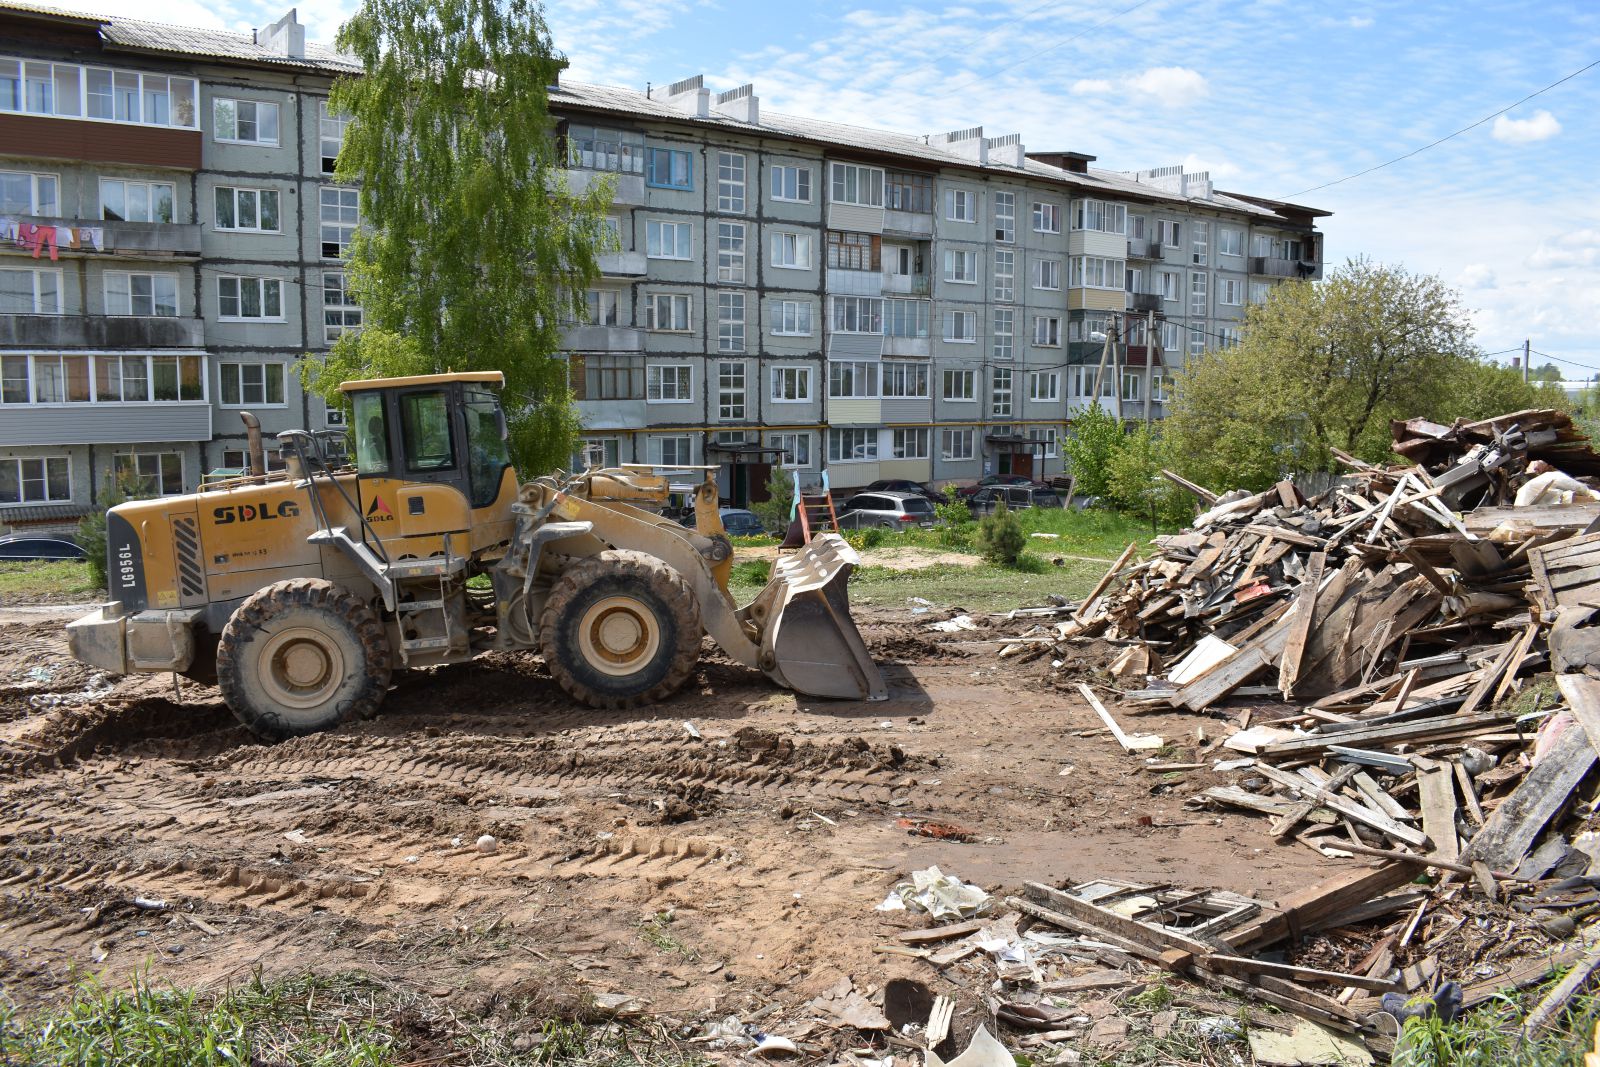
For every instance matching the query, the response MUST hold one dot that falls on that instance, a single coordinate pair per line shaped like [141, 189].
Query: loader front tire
[302, 656]
[620, 629]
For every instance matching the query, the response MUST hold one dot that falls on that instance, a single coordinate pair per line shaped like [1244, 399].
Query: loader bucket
[809, 641]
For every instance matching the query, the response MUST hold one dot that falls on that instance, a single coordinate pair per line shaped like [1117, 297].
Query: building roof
[632, 103]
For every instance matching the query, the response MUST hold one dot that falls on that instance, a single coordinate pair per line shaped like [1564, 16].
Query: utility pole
[1527, 350]
[1149, 363]
[1100, 371]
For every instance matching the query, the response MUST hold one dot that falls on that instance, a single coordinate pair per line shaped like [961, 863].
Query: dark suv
[989, 498]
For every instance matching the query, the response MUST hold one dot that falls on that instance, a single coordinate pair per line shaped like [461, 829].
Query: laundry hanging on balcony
[42, 236]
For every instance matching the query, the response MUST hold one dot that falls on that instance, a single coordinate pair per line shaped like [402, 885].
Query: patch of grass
[655, 932]
[979, 586]
[63, 579]
[1538, 694]
[1490, 1036]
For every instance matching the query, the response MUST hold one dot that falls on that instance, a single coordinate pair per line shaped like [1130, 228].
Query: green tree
[1093, 440]
[1000, 538]
[1135, 484]
[472, 249]
[1326, 365]
[776, 512]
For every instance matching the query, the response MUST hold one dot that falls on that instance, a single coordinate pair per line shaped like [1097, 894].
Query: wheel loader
[302, 592]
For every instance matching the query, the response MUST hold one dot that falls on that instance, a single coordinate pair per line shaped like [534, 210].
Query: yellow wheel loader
[301, 592]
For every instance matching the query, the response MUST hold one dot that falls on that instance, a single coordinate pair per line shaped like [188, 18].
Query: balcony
[105, 424]
[908, 223]
[92, 141]
[100, 331]
[907, 284]
[1144, 248]
[1144, 301]
[628, 190]
[1273, 267]
[622, 264]
[907, 346]
[602, 339]
[76, 238]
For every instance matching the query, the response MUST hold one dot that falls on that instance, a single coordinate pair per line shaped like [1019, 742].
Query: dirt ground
[768, 839]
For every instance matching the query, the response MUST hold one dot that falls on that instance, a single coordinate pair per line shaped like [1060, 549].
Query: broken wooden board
[1511, 829]
[1436, 786]
[1306, 910]
[1582, 694]
[1305, 608]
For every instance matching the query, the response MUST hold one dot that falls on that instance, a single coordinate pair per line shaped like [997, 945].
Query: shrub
[774, 512]
[1000, 538]
[92, 528]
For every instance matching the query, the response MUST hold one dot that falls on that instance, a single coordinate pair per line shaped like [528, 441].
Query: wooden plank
[1130, 743]
[1106, 579]
[1555, 1001]
[1285, 826]
[1524, 974]
[1305, 609]
[1154, 938]
[1582, 694]
[1304, 909]
[1436, 787]
[1510, 676]
[1215, 544]
[942, 933]
[1509, 832]
[1292, 537]
[1092, 980]
[1068, 922]
[1486, 683]
[1206, 495]
[1244, 966]
[1346, 807]
[1233, 672]
[1438, 726]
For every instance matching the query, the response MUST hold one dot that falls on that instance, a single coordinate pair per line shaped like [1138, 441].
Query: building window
[340, 214]
[853, 380]
[1046, 217]
[792, 184]
[1169, 233]
[905, 318]
[961, 205]
[730, 390]
[1135, 280]
[1047, 274]
[1169, 282]
[852, 446]
[1259, 291]
[1000, 404]
[66, 90]
[1046, 331]
[25, 193]
[340, 312]
[150, 473]
[961, 326]
[905, 381]
[1005, 217]
[153, 295]
[667, 313]
[1161, 388]
[1197, 341]
[1090, 327]
[1131, 386]
[247, 210]
[1171, 337]
[606, 377]
[30, 292]
[908, 192]
[730, 251]
[854, 184]
[1004, 333]
[730, 182]
[38, 480]
[601, 307]
[251, 383]
[1230, 291]
[244, 121]
[857, 314]
[791, 318]
[1230, 242]
[66, 379]
[1197, 294]
[854, 251]
[1200, 244]
[796, 448]
[671, 383]
[674, 451]
[730, 322]
[1135, 330]
[956, 445]
[668, 240]
[249, 298]
[960, 385]
[1005, 275]
[1044, 387]
[330, 134]
[791, 251]
[1046, 435]
[667, 168]
[1092, 272]
[1227, 336]
[791, 385]
[910, 443]
[125, 201]
[594, 148]
[1101, 216]
[597, 452]
[960, 266]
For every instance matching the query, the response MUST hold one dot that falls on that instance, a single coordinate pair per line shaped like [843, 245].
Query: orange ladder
[814, 510]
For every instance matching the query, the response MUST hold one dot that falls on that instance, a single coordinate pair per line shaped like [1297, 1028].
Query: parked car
[988, 498]
[737, 521]
[903, 485]
[889, 510]
[35, 547]
[967, 491]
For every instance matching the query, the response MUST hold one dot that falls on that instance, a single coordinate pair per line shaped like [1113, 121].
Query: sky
[1276, 98]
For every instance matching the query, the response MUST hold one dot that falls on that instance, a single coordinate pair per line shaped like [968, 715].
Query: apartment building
[784, 291]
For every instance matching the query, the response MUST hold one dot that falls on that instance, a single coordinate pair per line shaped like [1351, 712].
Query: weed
[1155, 997]
[1491, 1036]
[654, 931]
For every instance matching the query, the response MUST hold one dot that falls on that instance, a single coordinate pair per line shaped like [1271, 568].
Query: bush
[92, 529]
[774, 512]
[1000, 538]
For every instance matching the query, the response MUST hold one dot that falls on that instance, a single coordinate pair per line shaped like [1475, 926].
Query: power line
[1568, 362]
[1446, 137]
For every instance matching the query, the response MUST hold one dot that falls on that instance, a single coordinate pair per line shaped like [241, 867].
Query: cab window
[425, 428]
[372, 434]
[487, 458]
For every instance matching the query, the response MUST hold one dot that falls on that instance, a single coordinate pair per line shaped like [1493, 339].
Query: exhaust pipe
[258, 455]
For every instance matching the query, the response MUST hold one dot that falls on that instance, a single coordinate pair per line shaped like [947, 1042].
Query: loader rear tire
[620, 629]
[302, 656]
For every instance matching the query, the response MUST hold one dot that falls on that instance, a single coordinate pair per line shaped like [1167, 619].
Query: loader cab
[445, 430]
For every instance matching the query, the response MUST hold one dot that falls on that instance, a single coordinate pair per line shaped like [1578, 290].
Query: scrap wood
[1206, 495]
[1548, 1009]
[1344, 806]
[1244, 967]
[1130, 742]
[1510, 830]
[943, 933]
[1309, 909]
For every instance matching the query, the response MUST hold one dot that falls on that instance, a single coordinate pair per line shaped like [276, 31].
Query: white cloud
[1576, 248]
[1540, 126]
[1358, 22]
[1219, 169]
[1477, 276]
[1171, 86]
[1092, 87]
